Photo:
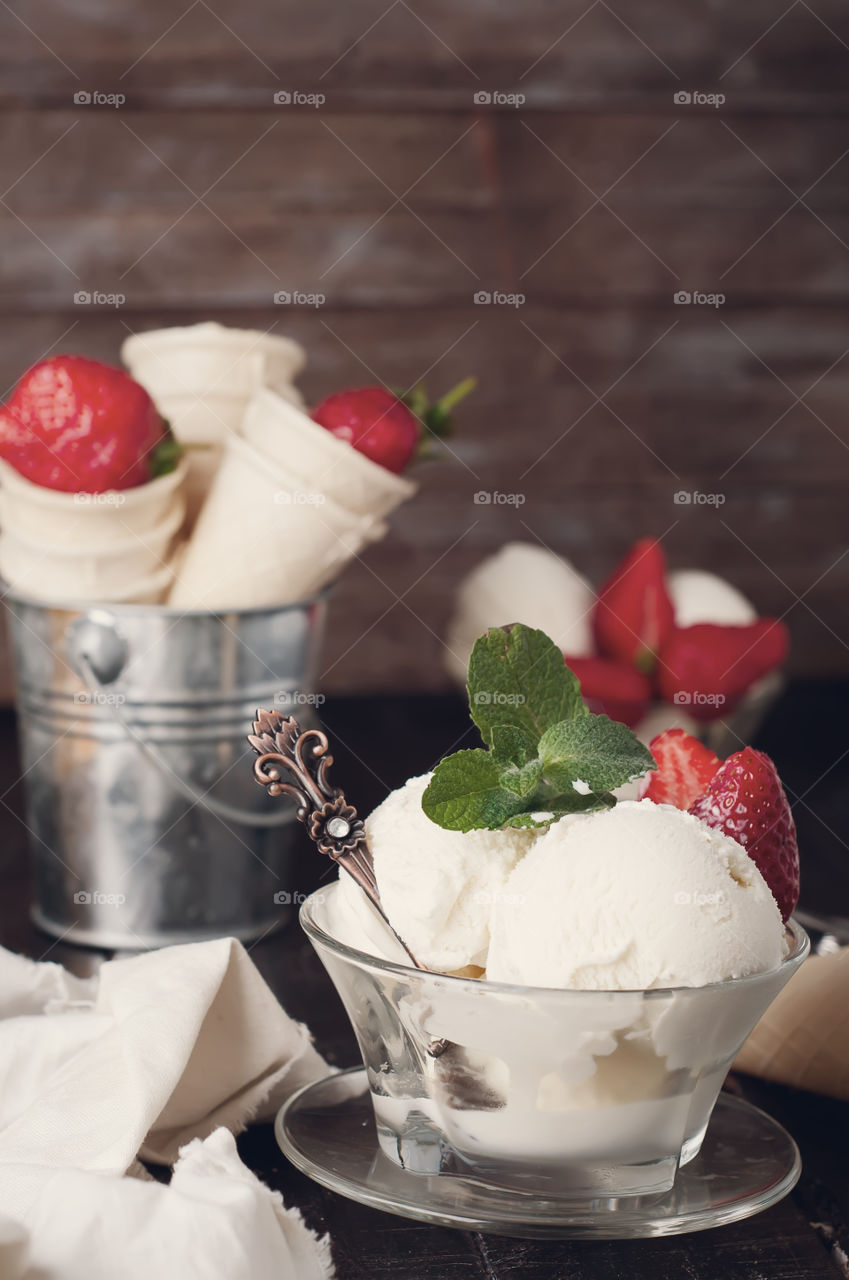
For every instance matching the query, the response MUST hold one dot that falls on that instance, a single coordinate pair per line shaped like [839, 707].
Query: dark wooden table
[378, 743]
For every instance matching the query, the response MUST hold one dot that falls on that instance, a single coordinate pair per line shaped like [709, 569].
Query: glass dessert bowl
[548, 983]
[581, 1095]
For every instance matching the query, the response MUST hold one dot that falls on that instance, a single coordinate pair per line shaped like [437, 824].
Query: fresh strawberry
[708, 667]
[388, 428]
[634, 614]
[82, 426]
[685, 767]
[612, 688]
[745, 800]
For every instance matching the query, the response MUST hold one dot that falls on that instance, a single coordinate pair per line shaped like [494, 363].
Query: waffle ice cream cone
[803, 1038]
[262, 539]
[107, 569]
[148, 588]
[313, 458]
[201, 378]
[83, 519]
[151, 589]
[206, 357]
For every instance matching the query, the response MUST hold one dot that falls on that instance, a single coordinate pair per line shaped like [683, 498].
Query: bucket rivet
[273, 774]
[338, 827]
[274, 789]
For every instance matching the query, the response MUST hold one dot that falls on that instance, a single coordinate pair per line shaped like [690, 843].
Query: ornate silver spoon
[294, 762]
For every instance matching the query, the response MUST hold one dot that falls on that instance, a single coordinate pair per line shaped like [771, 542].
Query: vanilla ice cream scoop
[437, 887]
[521, 583]
[638, 896]
[698, 596]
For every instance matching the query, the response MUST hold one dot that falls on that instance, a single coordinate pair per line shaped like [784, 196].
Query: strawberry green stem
[435, 419]
[165, 457]
[453, 397]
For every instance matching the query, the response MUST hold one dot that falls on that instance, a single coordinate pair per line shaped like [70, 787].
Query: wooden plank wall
[403, 194]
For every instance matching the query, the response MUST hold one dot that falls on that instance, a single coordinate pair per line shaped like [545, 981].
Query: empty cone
[314, 458]
[262, 540]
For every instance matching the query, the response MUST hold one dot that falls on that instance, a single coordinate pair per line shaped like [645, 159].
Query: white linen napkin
[158, 1055]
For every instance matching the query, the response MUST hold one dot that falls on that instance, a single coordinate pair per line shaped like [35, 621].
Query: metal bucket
[146, 825]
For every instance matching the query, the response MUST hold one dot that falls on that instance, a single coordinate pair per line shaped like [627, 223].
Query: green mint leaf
[546, 815]
[511, 745]
[548, 756]
[466, 793]
[592, 752]
[522, 780]
[572, 802]
[517, 676]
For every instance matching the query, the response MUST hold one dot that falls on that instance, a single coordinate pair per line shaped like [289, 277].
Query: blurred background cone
[261, 541]
[82, 519]
[105, 570]
[201, 378]
[313, 458]
[803, 1038]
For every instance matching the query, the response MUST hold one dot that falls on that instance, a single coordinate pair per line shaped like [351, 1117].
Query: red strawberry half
[685, 767]
[745, 800]
[81, 426]
[707, 668]
[634, 614]
[388, 428]
[612, 688]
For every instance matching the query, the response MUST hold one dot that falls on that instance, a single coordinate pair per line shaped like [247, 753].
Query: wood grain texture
[430, 53]
[400, 198]
[376, 211]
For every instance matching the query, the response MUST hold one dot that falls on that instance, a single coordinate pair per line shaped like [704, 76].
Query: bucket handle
[220, 809]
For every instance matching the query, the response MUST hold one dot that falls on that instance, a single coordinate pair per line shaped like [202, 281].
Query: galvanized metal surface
[123, 855]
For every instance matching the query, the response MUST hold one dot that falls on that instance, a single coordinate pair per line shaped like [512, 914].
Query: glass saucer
[747, 1163]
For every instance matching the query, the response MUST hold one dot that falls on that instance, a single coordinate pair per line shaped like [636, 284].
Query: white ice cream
[436, 886]
[589, 1064]
[699, 596]
[521, 583]
[636, 897]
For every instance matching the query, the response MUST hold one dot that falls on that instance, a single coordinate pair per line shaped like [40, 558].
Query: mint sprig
[466, 792]
[545, 754]
[592, 754]
[517, 677]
